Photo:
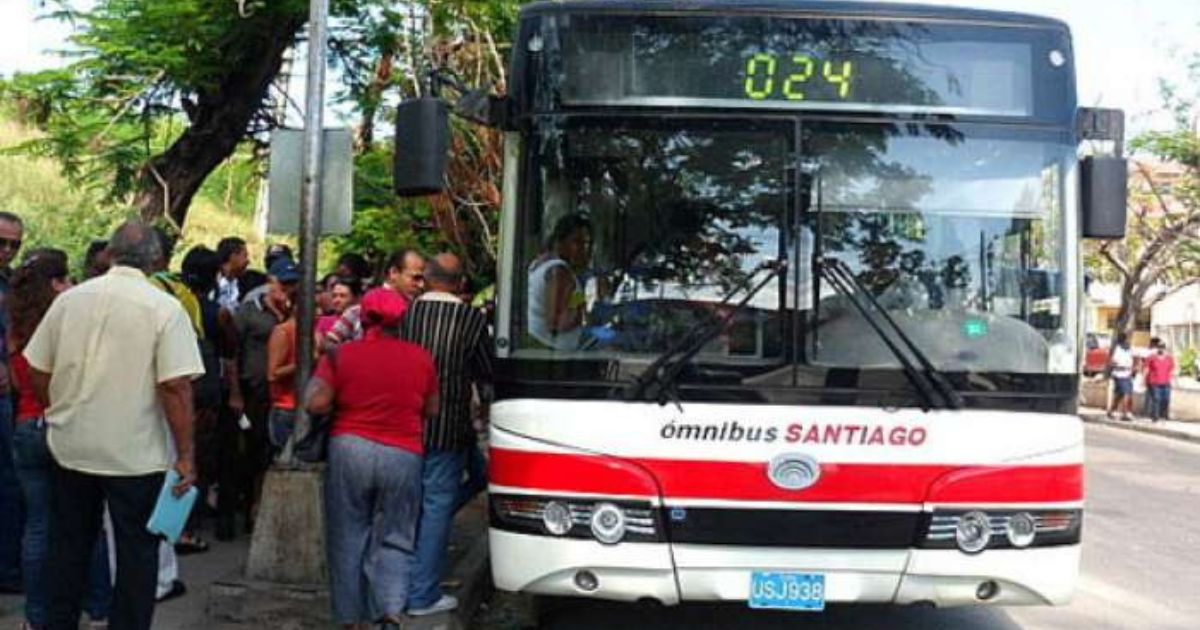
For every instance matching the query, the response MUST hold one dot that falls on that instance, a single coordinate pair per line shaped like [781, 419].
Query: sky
[1122, 47]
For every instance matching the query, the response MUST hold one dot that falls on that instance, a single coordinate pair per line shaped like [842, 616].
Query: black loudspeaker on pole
[422, 143]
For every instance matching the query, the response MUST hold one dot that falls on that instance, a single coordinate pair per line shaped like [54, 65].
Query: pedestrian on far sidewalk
[456, 335]
[113, 361]
[1160, 369]
[1120, 368]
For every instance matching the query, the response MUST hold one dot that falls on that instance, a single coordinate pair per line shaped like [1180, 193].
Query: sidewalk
[468, 571]
[1189, 431]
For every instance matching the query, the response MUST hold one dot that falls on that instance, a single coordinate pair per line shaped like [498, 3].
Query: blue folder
[171, 512]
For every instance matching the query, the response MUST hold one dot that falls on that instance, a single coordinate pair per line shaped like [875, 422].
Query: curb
[1141, 428]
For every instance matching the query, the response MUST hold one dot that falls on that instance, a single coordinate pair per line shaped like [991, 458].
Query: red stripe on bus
[748, 481]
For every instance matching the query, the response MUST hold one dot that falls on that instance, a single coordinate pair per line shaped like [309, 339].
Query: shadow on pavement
[589, 615]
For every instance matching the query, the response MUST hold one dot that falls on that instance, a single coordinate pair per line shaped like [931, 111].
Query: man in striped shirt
[457, 337]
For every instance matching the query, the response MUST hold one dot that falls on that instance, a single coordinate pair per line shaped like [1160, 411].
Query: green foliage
[55, 215]
[1187, 362]
[58, 214]
[383, 222]
[234, 186]
[145, 73]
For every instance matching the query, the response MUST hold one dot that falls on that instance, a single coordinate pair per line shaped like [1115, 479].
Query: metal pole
[310, 215]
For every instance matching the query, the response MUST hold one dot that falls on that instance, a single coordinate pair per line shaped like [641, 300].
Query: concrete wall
[1185, 397]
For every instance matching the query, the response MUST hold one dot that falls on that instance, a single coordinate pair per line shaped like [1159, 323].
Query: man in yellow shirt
[113, 360]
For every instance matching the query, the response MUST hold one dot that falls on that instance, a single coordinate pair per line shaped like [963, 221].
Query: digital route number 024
[764, 75]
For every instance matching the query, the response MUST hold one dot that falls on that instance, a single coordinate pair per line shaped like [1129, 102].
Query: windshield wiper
[928, 381]
[665, 369]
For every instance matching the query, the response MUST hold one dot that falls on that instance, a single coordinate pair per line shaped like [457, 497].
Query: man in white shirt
[113, 360]
[235, 258]
[1120, 367]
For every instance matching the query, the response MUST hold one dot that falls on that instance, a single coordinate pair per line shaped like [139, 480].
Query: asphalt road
[1141, 562]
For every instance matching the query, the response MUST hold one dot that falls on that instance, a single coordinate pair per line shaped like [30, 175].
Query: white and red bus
[788, 305]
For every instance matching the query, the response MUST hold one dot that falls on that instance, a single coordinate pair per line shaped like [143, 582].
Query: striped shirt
[456, 335]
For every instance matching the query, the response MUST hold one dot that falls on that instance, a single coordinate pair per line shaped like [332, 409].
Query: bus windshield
[632, 230]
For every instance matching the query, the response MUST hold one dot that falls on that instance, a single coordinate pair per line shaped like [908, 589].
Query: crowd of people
[138, 370]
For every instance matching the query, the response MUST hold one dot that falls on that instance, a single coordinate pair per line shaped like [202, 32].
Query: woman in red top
[35, 284]
[380, 390]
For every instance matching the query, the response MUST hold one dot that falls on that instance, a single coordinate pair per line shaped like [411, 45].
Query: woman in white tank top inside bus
[556, 297]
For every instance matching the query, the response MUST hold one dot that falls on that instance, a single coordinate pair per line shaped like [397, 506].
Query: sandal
[188, 545]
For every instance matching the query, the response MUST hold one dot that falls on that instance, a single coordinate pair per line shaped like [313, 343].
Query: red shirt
[325, 323]
[1159, 368]
[28, 406]
[380, 388]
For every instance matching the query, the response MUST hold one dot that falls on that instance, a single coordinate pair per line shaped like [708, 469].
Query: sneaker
[445, 604]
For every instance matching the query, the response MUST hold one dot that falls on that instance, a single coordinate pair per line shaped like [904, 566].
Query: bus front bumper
[670, 574]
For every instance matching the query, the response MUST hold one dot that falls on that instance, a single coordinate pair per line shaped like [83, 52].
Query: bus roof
[865, 10]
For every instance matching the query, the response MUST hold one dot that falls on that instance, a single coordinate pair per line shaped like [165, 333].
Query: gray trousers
[372, 504]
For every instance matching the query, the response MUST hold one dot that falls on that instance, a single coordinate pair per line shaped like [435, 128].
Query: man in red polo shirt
[1160, 367]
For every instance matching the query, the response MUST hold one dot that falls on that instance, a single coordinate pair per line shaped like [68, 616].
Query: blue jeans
[281, 424]
[35, 470]
[10, 502]
[1160, 401]
[476, 480]
[372, 503]
[441, 480]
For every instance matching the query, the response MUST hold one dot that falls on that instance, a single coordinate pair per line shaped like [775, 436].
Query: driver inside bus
[556, 296]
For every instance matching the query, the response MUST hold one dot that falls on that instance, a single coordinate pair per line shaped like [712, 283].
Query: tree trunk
[220, 119]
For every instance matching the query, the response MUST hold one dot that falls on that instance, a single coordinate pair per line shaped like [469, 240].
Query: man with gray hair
[113, 361]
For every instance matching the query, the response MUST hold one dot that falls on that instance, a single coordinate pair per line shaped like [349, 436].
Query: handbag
[313, 446]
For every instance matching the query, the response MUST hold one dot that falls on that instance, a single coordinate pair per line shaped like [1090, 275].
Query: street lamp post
[310, 210]
[288, 546]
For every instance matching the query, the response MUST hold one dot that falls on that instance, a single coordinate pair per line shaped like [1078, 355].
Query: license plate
[787, 591]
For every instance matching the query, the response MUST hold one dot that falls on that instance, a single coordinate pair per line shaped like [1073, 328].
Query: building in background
[1176, 319]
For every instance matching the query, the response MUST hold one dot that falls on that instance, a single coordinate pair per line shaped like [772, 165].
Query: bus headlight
[973, 532]
[556, 517]
[608, 523]
[1021, 530]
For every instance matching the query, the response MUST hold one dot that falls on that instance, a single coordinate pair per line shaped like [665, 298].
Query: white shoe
[445, 604]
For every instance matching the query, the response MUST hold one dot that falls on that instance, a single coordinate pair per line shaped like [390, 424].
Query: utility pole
[288, 546]
[310, 211]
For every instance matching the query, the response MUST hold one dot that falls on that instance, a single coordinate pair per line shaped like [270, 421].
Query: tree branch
[1117, 263]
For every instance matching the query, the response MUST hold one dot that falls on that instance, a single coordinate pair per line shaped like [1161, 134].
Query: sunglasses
[10, 243]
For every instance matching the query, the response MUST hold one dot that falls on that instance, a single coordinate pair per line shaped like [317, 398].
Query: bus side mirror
[422, 143]
[1103, 182]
